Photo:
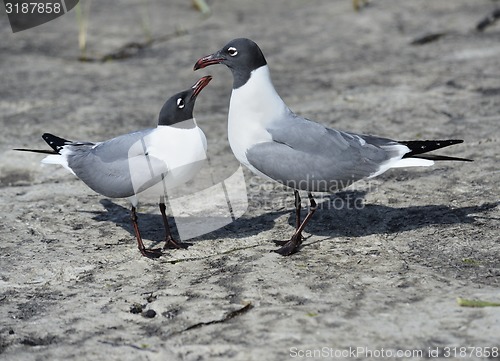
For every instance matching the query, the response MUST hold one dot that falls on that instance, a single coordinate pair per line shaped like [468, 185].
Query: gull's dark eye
[232, 51]
[180, 103]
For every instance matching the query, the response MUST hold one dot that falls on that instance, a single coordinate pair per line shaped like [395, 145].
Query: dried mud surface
[384, 276]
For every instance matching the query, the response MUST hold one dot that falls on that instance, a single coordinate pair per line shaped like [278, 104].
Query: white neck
[257, 96]
[253, 108]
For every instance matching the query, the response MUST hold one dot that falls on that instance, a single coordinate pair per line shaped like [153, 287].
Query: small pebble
[149, 314]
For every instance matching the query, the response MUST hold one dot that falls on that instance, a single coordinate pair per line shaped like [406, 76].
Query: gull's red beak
[200, 84]
[208, 60]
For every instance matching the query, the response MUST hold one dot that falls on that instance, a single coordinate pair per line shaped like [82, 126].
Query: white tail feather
[57, 159]
[412, 162]
[400, 163]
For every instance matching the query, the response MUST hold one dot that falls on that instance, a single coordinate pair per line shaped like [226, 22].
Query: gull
[149, 160]
[277, 144]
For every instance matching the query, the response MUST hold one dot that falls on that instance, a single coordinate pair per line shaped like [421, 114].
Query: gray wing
[119, 167]
[309, 156]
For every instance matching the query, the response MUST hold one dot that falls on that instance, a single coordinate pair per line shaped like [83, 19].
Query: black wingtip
[418, 147]
[438, 157]
[55, 142]
[42, 151]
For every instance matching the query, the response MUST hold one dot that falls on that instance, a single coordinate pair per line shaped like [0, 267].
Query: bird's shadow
[347, 215]
[343, 214]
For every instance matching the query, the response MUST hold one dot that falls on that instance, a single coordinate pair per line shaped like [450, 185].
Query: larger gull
[277, 144]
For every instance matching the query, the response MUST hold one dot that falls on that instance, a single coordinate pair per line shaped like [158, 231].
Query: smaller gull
[132, 164]
[277, 144]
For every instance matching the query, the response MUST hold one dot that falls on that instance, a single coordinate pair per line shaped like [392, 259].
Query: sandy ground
[384, 277]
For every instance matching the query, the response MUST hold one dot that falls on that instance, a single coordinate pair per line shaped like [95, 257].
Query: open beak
[200, 84]
[208, 60]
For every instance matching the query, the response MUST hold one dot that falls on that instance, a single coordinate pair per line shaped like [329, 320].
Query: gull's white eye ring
[180, 103]
[232, 51]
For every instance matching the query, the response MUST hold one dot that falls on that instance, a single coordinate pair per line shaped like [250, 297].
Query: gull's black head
[180, 106]
[241, 55]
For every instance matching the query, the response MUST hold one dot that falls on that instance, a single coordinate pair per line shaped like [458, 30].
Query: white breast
[182, 152]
